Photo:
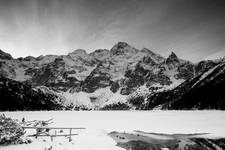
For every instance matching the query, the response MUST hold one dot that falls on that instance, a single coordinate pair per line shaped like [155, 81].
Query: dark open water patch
[139, 140]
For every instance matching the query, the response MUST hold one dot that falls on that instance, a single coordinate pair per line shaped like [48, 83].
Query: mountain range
[120, 78]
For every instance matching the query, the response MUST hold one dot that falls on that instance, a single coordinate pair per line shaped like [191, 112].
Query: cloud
[193, 29]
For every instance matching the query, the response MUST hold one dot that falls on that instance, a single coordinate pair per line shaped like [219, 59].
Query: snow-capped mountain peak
[172, 58]
[122, 48]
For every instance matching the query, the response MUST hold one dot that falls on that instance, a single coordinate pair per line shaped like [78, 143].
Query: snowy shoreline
[99, 124]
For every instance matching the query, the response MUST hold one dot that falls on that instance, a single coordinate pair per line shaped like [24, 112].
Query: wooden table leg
[36, 133]
[70, 138]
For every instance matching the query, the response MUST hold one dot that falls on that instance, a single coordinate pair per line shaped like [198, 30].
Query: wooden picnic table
[39, 133]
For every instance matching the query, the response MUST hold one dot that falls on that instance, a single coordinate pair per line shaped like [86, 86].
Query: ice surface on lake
[98, 123]
[150, 121]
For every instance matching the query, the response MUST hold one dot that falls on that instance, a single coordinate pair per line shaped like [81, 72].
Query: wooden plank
[26, 127]
[39, 120]
[70, 139]
[53, 135]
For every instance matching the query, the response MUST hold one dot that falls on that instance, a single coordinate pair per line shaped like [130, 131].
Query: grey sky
[194, 29]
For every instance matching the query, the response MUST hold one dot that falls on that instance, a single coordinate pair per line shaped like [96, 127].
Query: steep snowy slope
[204, 91]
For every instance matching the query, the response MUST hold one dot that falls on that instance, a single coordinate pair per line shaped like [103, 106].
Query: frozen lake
[212, 122]
[99, 123]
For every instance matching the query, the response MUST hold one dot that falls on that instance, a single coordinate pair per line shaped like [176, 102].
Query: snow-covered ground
[103, 96]
[99, 123]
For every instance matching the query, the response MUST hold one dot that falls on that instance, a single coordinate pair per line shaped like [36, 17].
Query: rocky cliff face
[103, 77]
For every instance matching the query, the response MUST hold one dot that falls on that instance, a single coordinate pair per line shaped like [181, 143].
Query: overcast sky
[193, 29]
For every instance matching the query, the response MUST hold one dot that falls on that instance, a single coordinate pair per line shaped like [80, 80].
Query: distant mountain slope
[103, 77]
[204, 91]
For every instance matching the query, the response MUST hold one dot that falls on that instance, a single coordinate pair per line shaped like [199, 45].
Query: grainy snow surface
[99, 123]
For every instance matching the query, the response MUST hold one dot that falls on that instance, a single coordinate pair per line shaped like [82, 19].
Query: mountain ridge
[103, 76]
